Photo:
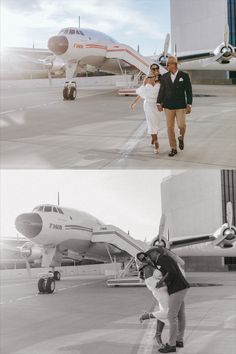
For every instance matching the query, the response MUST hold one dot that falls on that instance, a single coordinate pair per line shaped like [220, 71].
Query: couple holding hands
[172, 93]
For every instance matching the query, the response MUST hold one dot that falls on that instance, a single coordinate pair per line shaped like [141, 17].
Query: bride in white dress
[149, 92]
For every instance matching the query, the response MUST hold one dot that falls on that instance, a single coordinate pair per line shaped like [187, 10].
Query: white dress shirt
[173, 76]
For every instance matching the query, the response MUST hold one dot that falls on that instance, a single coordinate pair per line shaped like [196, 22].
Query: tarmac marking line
[25, 297]
[11, 111]
[147, 343]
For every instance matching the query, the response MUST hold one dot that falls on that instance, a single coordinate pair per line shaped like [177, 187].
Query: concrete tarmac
[84, 316]
[99, 131]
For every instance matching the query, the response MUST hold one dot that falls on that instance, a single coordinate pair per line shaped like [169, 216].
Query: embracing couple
[163, 274]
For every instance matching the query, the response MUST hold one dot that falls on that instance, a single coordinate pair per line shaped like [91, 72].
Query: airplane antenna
[58, 198]
[79, 21]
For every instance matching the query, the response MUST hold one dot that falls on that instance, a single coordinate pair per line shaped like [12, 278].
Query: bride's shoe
[156, 148]
[145, 316]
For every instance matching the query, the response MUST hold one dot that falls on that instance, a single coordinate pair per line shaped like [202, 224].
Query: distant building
[194, 203]
[200, 25]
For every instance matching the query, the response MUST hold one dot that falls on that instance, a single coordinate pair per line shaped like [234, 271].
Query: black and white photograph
[118, 177]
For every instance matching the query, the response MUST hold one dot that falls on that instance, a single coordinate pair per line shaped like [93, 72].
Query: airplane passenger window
[60, 211]
[47, 209]
[55, 210]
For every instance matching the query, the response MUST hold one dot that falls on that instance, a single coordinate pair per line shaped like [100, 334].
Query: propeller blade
[161, 228]
[218, 241]
[207, 62]
[49, 77]
[166, 45]
[28, 267]
[229, 214]
[175, 51]
[226, 36]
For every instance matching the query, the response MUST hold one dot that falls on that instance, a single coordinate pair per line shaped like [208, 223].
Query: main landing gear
[70, 90]
[46, 283]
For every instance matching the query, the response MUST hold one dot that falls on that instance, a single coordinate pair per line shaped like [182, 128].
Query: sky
[133, 22]
[128, 199]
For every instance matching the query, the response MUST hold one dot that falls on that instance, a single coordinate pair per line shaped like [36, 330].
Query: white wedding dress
[160, 294]
[149, 93]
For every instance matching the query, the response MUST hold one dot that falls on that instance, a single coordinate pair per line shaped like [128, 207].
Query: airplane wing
[192, 240]
[195, 56]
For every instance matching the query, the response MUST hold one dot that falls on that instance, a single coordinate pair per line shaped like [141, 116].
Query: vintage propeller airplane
[81, 48]
[56, 230]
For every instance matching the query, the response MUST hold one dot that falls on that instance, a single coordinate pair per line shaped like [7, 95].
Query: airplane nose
[58, 44]
[29, 225]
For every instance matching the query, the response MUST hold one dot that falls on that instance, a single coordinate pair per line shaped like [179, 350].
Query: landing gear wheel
[57, 275]
[65, 93]
[70, 90]
[42, 285]
[46, 285]
[50, 285]
[72, 93]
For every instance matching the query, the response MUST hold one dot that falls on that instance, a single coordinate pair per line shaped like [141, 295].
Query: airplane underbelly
[93, 60]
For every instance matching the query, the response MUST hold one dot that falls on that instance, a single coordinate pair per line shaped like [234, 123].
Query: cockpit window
[60, 211]
[47, 209]
[71, 31]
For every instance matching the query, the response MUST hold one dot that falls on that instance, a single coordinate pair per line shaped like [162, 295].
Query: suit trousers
[176, 316]
[180, 115]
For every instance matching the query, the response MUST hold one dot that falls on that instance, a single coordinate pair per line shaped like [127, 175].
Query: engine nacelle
[228, 52]
[32, 252]
[230, 237]
[164, 242]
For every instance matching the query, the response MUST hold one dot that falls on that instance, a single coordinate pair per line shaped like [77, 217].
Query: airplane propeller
[24, 252]
[48, 64]
[225, 52]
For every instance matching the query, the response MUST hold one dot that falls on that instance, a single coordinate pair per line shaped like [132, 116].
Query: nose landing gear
[70, 90]
[47, 283]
